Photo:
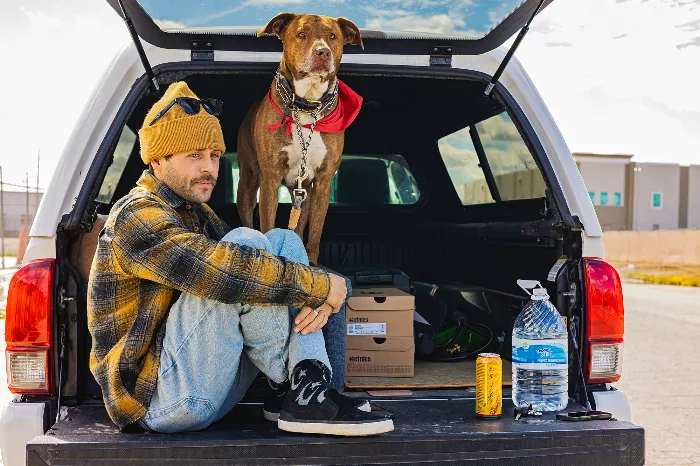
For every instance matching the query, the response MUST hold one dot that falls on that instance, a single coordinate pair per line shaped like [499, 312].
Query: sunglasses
[191, 106]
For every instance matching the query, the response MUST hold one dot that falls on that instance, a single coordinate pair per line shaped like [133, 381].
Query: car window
[360, 180]
[125, 146]
[515, 173]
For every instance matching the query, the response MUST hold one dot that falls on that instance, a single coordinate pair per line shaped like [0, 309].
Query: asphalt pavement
[661, 369]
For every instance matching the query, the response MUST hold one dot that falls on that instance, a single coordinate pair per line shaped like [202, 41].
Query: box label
[367, 329]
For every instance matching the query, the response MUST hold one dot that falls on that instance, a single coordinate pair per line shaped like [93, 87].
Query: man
[180, 367]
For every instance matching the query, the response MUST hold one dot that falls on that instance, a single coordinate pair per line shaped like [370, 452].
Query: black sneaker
[275, 394]
[311, 407]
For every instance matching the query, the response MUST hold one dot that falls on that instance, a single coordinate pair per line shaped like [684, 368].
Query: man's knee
[284, 236]
[247, 237]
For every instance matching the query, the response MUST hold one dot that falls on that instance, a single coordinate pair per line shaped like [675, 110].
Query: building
[606, 177]
[631, 195]
[16, 207]
[689, 212]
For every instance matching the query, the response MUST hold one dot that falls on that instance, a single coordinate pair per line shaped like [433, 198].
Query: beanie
[176, 131]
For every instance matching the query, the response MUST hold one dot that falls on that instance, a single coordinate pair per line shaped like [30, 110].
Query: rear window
[360, 180]
[506, 160]
[125, 145]
[461, 19]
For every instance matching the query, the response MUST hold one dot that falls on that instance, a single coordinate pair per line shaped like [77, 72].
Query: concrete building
[630, 195]
[16, 207]
[606, 177]
[689, 212]
[655, 189]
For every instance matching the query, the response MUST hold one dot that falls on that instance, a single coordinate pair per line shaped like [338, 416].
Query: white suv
[454, 173]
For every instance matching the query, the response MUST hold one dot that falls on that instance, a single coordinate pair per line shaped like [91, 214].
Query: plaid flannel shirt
[153, 244]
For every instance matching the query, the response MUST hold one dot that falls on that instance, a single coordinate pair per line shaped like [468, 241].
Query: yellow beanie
[176, 131]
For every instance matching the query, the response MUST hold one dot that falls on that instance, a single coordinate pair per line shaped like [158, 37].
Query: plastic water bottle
[540, 353]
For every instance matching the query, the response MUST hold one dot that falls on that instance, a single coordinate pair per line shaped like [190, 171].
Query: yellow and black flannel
[153, 244]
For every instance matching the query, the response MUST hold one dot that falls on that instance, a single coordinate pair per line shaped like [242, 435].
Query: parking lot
[661, 369]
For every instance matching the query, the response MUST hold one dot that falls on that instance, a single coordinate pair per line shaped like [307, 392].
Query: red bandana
[349, 103]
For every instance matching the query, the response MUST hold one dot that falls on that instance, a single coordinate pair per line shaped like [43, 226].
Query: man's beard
[186, 189]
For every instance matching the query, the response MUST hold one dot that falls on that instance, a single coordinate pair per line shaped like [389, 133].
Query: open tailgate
[435, 431]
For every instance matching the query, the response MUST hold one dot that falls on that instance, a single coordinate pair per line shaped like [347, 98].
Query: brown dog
[270, 142]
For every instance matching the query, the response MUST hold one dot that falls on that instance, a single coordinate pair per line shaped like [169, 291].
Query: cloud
[559, 44]
[695, 42]
[600, 89]
[248, 3]
[407, 20]
[436, 24]
[166, 24]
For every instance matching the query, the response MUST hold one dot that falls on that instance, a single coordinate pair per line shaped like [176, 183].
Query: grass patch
[10, 254]
[678, 280]
[661, 274]
[2, 313]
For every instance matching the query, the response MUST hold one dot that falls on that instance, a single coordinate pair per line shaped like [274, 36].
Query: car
[454, 173]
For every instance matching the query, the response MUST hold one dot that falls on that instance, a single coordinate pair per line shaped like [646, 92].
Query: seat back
[84, 248]
[362, 182]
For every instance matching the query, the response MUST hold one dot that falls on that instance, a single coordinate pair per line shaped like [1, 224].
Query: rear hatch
[388, 27]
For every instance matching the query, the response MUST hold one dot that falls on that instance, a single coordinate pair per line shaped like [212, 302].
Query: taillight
[28, 329]
[605, 322]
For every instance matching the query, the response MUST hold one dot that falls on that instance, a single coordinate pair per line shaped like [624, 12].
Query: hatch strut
[139, 47]
[511, 51]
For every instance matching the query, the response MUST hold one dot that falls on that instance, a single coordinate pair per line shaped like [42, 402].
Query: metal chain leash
[299, 193]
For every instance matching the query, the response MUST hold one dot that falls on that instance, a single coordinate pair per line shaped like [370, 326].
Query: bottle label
[540, 354]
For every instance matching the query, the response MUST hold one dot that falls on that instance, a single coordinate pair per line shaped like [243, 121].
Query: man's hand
[338, 292]
[310, 320]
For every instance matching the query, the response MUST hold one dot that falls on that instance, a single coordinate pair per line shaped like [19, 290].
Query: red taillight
[605, 322]
[29, 329]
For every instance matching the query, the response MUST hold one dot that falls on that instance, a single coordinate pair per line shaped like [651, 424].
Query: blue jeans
[213, 351]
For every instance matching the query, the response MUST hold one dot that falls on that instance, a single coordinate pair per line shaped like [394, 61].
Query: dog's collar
[291, 100]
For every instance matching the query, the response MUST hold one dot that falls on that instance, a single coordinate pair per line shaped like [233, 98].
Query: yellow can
[489, 390]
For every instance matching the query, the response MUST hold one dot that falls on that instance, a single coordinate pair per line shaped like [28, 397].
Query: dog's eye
[332, 36]
[301, 34]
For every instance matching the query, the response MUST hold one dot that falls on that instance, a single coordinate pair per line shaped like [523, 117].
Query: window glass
[360, 180]
[125, 145]
[617, 199]
[591, 194]
[603, 198]
[515, 172]
[656, 200]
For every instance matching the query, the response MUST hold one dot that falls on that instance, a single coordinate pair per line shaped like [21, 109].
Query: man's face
[192, 175]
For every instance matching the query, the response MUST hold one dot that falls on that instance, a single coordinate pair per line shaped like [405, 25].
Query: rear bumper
[20, 423]
[443, 431]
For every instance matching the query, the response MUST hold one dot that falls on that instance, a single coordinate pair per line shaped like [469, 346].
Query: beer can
[489, 390]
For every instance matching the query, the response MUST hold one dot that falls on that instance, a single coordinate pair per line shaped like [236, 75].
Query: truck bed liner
[436, 431]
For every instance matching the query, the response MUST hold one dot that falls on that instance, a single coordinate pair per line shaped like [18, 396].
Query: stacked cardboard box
[380, 333]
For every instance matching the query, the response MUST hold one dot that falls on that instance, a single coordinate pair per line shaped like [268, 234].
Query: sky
[619, 76]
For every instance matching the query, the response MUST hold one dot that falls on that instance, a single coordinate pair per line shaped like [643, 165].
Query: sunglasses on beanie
[191, 106]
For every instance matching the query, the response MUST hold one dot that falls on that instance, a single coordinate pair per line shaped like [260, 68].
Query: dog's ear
[350, 32]
[277, 25]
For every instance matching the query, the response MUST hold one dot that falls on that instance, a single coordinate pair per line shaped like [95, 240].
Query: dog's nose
[323, 53]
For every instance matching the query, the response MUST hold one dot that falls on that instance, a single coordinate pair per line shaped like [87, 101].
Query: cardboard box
[379, 357]
[380, 333]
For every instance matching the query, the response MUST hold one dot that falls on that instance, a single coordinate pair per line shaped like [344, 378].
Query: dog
[270, 141]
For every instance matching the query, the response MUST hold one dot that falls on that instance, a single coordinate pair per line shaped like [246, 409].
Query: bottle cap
[539, 294]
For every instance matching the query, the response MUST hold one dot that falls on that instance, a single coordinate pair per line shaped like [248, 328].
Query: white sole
[271, 416]
[346, 430]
